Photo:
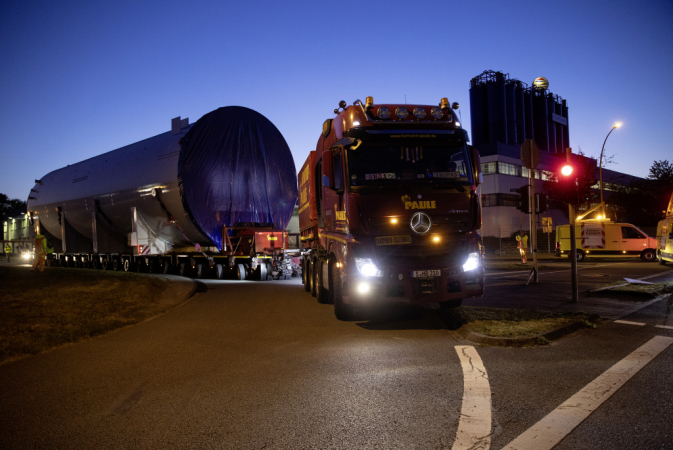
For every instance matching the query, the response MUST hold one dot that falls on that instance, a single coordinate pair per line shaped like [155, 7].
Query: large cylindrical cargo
[232, 168]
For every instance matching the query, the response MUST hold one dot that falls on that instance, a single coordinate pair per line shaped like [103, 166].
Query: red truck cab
[389, 210]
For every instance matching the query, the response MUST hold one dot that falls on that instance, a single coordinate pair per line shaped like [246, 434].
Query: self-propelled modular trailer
[389, 210]
[208, 199]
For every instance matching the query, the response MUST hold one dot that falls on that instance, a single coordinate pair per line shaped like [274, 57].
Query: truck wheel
[648, 255]
[314, 274]
[661, 260]
[306, 275]
[580, 256]
[262, 272]
[240, 271]
[322, 294]
[342, 311]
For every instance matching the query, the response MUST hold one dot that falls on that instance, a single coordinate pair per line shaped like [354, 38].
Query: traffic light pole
[533, 223]
[573, 244]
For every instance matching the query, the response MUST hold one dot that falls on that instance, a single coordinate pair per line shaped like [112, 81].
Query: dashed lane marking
[665, 327]
[474, 427]
[626, 322]
[556, 425]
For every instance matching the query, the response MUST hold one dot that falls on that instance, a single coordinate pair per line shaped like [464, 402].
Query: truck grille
[422, 249]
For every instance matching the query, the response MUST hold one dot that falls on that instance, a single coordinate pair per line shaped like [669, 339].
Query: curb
[467, 333]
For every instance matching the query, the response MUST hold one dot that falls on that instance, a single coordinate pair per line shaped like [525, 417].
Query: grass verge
[513, 323]
[655, 289]
[43, 310]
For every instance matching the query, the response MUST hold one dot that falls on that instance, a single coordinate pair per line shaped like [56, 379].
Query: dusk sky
[81, 78]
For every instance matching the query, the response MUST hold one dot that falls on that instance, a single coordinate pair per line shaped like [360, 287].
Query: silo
[540, 120]
[520, 113]
[497, 118]
[551, 125]
[510, 108]
[478, 112]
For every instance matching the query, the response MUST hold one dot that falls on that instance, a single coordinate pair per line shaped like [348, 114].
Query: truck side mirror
[327, 169]
[476, 165]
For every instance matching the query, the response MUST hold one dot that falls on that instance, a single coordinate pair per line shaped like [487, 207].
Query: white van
[606, 239]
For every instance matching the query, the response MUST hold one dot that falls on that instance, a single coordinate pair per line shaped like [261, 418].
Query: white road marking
[556, 425]
[474, 427]
[665, 327]
[626, 322]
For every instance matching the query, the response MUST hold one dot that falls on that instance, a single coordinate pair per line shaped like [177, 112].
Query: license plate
[393, 240]
[425, 273]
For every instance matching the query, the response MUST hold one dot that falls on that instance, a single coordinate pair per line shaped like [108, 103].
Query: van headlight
[472, 262]
[367, 268]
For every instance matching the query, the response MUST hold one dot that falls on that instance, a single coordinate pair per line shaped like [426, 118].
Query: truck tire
[262, 271]
[342, 311]
[240, 272]
[322, 294]
[648, 255]
[580, 256]
[314, 283]
[306, 275]
[661, 260]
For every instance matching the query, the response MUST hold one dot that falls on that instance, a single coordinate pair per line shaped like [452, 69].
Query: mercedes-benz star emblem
[420, 223]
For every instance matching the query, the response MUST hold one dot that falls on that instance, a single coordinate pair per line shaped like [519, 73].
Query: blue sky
[80, 78]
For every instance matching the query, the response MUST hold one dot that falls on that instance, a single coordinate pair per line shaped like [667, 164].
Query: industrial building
[504, 113]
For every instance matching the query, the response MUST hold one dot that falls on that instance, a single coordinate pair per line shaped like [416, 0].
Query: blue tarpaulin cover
[235, 169]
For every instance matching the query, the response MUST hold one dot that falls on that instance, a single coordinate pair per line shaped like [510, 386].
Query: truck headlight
[26, 255]
[367, 268]
[472, 262]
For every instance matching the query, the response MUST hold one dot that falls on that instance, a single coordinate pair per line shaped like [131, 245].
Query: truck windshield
[379, 165]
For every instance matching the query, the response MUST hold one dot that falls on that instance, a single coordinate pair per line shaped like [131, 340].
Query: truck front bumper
[399, 285]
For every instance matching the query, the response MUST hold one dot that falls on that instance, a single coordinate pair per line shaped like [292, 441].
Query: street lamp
[600, 164]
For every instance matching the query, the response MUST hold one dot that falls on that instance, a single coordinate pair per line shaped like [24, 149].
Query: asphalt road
[251, 365]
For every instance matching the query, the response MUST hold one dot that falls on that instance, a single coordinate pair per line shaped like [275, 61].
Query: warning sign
[593, 235]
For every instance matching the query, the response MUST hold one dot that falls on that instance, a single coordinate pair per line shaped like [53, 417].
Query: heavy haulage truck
[389, 210]
[207, 199]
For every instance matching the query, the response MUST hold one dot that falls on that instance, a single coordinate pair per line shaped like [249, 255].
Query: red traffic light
[567, 170]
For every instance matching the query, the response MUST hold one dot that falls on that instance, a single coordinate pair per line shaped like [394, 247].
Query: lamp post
[600, 164]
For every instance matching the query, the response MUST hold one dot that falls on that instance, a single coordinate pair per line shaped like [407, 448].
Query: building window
[499, 200]
[488, 168]
[508, 169]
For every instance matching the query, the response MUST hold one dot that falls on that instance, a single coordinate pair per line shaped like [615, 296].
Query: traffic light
[523, 204]
[567, 184]
[541, 203]
[585, 187]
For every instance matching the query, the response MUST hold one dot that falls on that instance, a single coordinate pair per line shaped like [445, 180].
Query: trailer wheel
[322, 294]
[240, 271]
[95, 264]
[202, 271]
[342, 311]
[648, 255]
[168, 268]
[116, 265]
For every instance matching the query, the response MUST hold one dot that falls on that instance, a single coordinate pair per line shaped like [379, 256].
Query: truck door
[334, 198]
[632, 239]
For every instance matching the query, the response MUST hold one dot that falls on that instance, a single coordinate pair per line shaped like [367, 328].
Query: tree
[643, 202]
[10, 207]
